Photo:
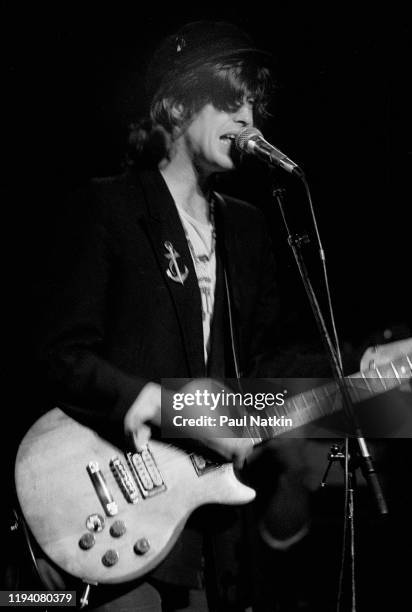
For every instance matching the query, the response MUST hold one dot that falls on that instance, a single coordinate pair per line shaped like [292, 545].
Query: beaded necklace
[205, 259]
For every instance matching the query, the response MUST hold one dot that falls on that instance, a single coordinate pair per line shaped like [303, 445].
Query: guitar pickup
[146, 473]
[103, 493]
[124, 480]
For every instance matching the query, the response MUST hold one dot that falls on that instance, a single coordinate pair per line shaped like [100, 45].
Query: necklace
[204, 262]
[205, 258]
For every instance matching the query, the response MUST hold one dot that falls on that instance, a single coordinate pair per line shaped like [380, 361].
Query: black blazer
[115, 320]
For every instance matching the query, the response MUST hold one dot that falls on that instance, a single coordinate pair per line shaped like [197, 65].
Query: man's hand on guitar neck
[375, 356]
[146, 412]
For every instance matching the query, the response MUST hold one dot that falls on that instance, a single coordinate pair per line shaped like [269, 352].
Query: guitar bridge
[145, 472]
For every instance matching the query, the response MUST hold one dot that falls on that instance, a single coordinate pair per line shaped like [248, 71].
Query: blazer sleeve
[71, 346]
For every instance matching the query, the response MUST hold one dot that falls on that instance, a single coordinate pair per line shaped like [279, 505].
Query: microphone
[250, 140]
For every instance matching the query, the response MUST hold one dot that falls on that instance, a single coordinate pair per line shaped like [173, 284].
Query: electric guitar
[108, 516]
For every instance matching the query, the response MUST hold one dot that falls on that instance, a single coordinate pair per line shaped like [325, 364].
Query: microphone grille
[245, 135]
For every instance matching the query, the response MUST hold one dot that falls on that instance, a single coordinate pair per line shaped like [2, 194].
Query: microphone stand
[358, 444]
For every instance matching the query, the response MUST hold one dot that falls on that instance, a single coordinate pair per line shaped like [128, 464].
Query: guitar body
[104, 516]
[57, 497]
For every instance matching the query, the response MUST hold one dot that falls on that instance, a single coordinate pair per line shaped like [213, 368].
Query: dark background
[74, 82]
[342, 111]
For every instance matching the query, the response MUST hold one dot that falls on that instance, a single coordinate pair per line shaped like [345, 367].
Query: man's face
[207, 141]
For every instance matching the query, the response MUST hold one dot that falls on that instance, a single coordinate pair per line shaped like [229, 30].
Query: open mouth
[228, 137]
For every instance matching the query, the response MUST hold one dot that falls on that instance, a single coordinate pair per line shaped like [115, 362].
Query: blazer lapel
[175, 262]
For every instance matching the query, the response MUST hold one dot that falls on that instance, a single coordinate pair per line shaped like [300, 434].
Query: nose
[244, 115]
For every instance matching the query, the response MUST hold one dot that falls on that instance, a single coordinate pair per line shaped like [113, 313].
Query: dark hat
[197, 44]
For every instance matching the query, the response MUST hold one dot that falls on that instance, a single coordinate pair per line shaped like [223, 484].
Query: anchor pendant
[173, 271]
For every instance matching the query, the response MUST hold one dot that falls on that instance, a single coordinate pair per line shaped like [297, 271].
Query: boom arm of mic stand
[366, 463]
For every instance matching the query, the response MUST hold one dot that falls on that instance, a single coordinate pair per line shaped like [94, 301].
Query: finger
[368, 359]
[381, 354]
[141, 437]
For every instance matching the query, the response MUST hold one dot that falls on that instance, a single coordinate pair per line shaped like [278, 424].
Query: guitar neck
[325, 400]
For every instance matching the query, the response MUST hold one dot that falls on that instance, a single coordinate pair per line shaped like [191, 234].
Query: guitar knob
[87, 541]
[110, 558]
[117, 529]
[95, 522]
[142, 546]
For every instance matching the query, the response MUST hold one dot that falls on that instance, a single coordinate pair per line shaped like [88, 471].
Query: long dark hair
[225, 85]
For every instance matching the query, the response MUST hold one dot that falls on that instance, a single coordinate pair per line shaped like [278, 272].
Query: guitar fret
[257, 439]
[366, 381]
[380, 378]
[266, 430]
[318, 402]
[298, 417]
[354, 391]
[257, 433]
[395, 370]
[335, 395]
[303, 408]
[295, 405]
[325, 390]
[331, 395]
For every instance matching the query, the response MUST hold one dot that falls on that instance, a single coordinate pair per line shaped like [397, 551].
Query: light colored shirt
[200, 238]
